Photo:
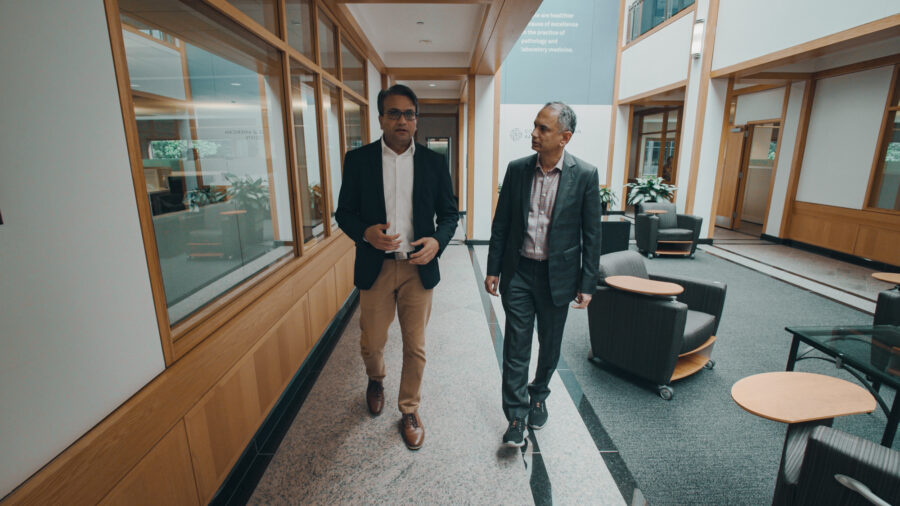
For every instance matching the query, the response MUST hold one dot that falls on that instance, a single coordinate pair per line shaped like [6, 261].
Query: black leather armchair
[655, 338]
[814, 457]
[887, 309]
[667, 233]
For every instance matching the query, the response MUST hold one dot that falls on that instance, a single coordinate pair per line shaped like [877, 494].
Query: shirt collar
[559, 163]
[385, 150]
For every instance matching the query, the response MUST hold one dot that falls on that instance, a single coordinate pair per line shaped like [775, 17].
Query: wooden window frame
[177, 340]
[873, 190]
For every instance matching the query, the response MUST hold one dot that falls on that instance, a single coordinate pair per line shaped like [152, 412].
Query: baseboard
[707, 240]
[249, 468]
[837, 255]
[477, 242]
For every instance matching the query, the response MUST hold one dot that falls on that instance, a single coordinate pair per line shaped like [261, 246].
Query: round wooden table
[643, 285]
[797, 397]
[888, 277]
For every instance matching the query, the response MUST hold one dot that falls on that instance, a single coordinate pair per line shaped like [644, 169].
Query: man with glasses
[544, 252]
[397, 204]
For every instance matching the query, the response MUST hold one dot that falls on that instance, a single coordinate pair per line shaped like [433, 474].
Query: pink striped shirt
[543, 197]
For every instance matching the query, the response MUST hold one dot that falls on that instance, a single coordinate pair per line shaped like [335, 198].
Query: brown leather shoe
[375, 397]
[412, 431]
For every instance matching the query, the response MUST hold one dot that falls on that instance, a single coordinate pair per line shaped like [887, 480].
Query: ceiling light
[420, 23]
[432, 85]
[235, 84]
[425, 42]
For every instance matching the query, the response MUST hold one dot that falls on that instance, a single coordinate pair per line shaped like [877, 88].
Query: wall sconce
[697, 39]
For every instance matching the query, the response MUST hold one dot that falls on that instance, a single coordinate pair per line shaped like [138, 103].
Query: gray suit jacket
[574, 235]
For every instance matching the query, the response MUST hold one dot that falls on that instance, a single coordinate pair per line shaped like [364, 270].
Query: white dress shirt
[397, 176]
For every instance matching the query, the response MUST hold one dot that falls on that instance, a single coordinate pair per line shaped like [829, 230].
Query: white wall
[749, 29]
[619, 150]
[843, 133]
[709, 154]
[658, 60]
[374, 87]
[759, 106]
[79, 333]
[484, 157]
[785, 160]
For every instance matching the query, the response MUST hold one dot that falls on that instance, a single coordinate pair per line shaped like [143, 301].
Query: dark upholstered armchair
[655, 338]
[887, 309]
[666, 233]
[868, 471]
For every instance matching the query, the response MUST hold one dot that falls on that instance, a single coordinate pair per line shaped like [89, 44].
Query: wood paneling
[164, 476]
[503, 23]
[322, 305]
[863, 233]
[343, 276]
[221, 425]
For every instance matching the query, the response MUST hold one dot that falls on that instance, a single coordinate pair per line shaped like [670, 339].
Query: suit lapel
[566, 184]
[378, 176]
[527, 183]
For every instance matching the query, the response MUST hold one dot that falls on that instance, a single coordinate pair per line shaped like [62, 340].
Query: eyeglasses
[395, 114]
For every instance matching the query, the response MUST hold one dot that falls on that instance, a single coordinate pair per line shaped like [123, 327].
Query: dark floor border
[477, 242]
[250, 467]
[837, 255]
[541, 488]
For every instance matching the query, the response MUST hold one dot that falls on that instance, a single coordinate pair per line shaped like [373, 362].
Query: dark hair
[566, 119]
[397, 89]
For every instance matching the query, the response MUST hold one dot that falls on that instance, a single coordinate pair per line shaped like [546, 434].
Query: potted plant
[252, 195]
[607, 198]
[649, 189]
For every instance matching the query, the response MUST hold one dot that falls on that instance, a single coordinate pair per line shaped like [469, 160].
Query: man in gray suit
[544, 252]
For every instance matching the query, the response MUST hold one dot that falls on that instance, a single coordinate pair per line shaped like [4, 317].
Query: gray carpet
[700, 447]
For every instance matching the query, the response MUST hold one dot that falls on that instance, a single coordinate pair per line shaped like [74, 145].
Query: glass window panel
[262, 11]
[648, 164]
[327, 49]
[306, 140]
[299, 26]
[353, 133]
[652, 123]
[210, 126]
[676, 6]
[889, 190]
[353, 72]
[331, 102]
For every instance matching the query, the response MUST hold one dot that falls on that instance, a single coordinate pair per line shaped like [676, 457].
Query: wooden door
[731, 176]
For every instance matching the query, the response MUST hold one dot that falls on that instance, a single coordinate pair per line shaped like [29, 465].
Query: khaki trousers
[397, 289]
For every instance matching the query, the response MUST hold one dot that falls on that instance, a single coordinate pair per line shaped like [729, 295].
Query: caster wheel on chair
[666, 392]
[710, 364]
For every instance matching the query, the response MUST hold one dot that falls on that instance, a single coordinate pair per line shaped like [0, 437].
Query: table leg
[792, 356]
[893, 417]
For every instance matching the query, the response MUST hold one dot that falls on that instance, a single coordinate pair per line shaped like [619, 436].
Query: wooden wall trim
[799, 149]
[708, 43]
[628, 141]
[860, 232]
[504, 22]
[691, 9]
[720, 160]
[461, 153]
[615, 102]
[784, 106]
[470, 160]
[424, 73]
[656, 91]
[88, 469]
[123, 84]
[757, 88]
[863, 34]
[496, 157]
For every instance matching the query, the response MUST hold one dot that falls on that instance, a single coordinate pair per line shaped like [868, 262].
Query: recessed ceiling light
[420, 23]
[432, 85]
[235, 84]
[425, 42]
[135, 85]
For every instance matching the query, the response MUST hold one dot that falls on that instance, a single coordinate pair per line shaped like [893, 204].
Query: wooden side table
[655, 211]
[643, 285]
[888, 277]
[803, 400]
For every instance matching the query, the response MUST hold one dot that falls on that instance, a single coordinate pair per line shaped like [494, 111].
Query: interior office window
[886, 190]
[263, 12]
[208, 103]
[306, 142]
[332, 102]
[299, 27]
[352, 69]
[327, 47]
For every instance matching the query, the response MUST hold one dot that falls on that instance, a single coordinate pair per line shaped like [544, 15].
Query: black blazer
[361, 205]
[573, 239]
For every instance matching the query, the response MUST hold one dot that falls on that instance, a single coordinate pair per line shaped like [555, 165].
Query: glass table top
[872, 349]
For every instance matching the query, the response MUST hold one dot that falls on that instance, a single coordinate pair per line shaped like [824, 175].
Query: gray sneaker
[537, 415]
[515, 433]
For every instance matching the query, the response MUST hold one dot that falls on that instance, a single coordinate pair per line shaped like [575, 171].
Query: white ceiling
[847, 56]
[395, 32]
[433, 88]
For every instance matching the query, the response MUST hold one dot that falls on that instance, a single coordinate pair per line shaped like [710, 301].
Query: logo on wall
[516, 134]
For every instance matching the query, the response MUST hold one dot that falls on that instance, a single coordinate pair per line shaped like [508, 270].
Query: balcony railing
[643, 15]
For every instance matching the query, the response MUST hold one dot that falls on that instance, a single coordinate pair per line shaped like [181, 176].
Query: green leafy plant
[248, 192]
[199, 197]
[649, 189]
[608, 196]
